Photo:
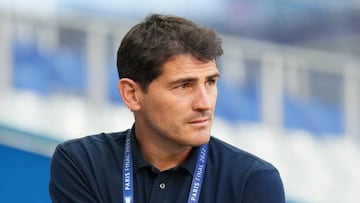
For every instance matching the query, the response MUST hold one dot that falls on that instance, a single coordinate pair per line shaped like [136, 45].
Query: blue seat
[314, 116]
[325, 118]
[69, 72]
[32, 70]
[238, 103]
[294, 114]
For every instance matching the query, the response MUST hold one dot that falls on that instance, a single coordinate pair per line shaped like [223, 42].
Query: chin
[202, 139]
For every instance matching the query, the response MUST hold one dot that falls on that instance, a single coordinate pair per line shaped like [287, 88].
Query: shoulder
[99, 145]
[246, 172]
[81, 165]
[234, 157]
[101, 139]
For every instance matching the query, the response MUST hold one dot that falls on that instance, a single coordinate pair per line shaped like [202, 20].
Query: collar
[139, 162]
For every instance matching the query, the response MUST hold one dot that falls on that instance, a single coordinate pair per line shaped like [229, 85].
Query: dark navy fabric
[90, 169]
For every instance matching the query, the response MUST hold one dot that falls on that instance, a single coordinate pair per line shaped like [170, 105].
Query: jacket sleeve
[67, 180]
[264, 186]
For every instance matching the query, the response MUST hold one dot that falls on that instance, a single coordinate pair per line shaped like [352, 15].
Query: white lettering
[202, 155]
[127, 181]
[195, 191]
[199, 172]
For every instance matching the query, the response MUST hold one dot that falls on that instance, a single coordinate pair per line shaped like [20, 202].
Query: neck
[163, 155]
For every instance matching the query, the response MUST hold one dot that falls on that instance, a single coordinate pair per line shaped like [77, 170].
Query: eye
[211, 82]
[182, 86]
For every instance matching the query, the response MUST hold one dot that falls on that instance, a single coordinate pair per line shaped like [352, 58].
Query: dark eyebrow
[192, 79]
[215, 75]
[183, 80]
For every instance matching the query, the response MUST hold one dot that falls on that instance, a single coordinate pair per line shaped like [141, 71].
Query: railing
[282, 71]
[287, 69]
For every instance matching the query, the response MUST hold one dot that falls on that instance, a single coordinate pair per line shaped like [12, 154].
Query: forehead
[187, 65]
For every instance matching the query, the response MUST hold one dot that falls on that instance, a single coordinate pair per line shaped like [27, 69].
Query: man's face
[179, 105]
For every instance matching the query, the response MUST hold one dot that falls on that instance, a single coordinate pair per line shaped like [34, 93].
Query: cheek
[159, 107]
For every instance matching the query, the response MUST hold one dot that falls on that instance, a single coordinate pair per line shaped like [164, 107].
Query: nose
[202, 100]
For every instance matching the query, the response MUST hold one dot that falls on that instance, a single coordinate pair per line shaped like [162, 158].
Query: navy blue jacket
[90, 170]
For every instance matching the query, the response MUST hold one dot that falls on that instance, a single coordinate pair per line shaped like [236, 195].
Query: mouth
[199, 122]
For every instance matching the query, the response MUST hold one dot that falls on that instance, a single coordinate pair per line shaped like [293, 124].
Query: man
[168, 79]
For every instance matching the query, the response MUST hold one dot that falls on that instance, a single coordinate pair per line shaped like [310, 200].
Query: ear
[130, 93]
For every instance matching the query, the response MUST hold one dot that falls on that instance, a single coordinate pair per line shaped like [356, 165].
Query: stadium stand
[301, 112]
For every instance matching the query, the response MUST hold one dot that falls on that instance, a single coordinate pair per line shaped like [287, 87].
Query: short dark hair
[149, 44]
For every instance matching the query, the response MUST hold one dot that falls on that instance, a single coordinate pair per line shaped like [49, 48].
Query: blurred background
[289, 91]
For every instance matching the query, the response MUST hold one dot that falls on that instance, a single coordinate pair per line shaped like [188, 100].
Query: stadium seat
[32, 70]
[238, 104]
[69, 71]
